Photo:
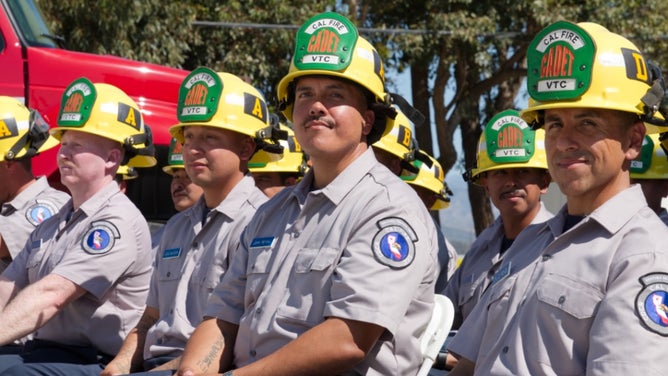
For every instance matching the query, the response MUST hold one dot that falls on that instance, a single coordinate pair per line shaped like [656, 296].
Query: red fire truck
[36, 70]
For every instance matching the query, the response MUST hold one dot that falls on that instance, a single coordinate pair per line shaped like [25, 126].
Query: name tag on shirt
[171, 253]
[501, 273]
[265, 242]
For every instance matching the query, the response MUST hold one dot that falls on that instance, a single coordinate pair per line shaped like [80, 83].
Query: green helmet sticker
[175, 155]
[77, 103]
[560, 61]
[325, 42]
[199, 95]
[644, 160]
[509, 139]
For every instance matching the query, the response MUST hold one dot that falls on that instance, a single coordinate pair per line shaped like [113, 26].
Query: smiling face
[331, 118]
[589, 152]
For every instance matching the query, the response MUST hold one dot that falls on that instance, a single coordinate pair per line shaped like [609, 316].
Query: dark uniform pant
[14, 360]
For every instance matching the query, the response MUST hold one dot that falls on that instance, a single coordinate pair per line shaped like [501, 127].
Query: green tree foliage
[154, 31]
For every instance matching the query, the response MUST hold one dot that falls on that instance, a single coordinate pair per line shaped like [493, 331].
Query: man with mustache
[514, 175]
[575, 295]
[314, 288]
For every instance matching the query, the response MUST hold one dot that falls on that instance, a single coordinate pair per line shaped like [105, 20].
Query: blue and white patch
[100, 238]
[40, 212]
[394, 243]
[652, 302]
[171, 253]
[266, 242]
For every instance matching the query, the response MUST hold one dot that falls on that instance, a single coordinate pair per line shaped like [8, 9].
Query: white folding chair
[436, 332]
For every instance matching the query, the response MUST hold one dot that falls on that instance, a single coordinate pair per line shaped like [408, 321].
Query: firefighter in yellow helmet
[397, 148]
[428, 181]
[222, 121]
[512, 168]
[650, 170]
[183, 191]
[272, 171]
[601, 261]
[345, 236]
[94, 255]
[26, 200]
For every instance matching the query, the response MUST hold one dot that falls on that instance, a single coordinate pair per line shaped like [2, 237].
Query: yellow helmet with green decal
[586, 66]
[106, 111]
[329, 44]
[221, 100]
[508, 142]
[174, 157]
[652, 162]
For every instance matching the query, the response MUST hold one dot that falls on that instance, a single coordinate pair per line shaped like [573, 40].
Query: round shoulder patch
[652, 302]
[100, 238]
[393, 245]
[40, 212]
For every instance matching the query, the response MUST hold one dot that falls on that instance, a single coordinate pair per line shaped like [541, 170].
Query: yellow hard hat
[586, 66]
[508, 142]
[400, 141]
[291, 160]
[652, 163]
[432, 177]
[23, 132]
[221, 100]
[328, 44]
[174, 157]
[127, 172]
[106, 111]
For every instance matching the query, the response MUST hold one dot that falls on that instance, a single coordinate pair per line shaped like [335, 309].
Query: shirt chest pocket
[170, 268]
[573, 297]
[308, 286]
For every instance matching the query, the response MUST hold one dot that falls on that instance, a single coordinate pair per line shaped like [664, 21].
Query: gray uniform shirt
[19, 217]
[362, 248]
[576, 302]
[474, 274]
[663, 214]
[447, 259]
[105, 248]
[190, 261]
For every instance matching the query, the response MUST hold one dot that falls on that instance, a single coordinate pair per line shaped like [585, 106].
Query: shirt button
[546, 257]
[253, 353]
[169, 274]
[258, 311]
[505, 349]
[562, 299]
